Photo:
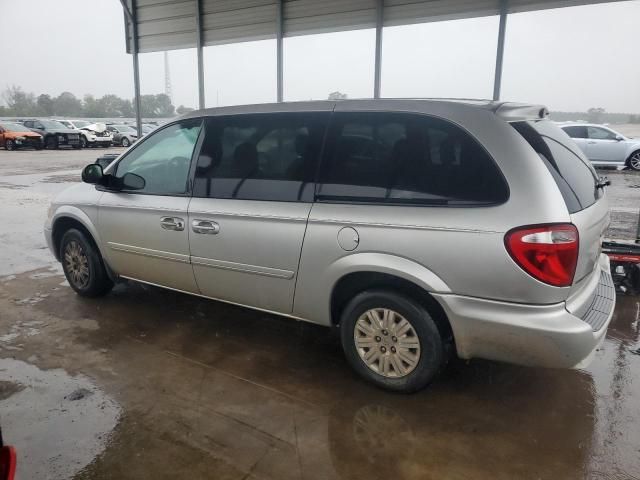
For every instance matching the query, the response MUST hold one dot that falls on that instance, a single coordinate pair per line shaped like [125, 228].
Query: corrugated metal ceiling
[168, 25]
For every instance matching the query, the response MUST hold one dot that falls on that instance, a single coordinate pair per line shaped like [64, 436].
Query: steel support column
[497, 79]
[199, 53]
[131, 16]
[279, 66]
[377, 72]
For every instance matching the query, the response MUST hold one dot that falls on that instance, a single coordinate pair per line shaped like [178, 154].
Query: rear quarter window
[401, 158]
[572, 172]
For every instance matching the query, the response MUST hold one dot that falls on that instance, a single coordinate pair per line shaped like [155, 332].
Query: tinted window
[260, 157]
[598, 133]
[572, 172]
[576, 132]
[404, 158]
[163, 159]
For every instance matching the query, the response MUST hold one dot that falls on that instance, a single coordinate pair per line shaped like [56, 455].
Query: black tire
[76, 249]
[9, 145]
[125, 142]
[633, 162]
[83, 141]
[432, 356]
[39, 147]
[51, 142]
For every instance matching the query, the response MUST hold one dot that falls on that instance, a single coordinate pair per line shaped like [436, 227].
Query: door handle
[591, 143]
[172, 223]
[207, 227]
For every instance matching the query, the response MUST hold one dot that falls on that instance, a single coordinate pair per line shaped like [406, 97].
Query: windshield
[52, 124]
[14, 127]
[81, 123]
[124, 128]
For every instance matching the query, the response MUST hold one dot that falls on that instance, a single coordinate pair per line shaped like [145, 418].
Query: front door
[145, 231]
[253, 191]
[603, 146]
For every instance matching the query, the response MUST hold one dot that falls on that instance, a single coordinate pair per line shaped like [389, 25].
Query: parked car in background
[91, 134]
[603, 146]
[419, 239]
[146, 129]
[14, 135]
[54, 133]
[123, 135]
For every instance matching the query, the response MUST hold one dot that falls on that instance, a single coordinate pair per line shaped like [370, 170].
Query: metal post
[131, 16]
[199, 53]
[497, 79]
[279, 35]
[378, 55]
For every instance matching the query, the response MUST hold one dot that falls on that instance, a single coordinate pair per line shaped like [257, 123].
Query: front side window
[576, 131]
[163, 159]
[409, 159]
[597, 133]
[260, 157]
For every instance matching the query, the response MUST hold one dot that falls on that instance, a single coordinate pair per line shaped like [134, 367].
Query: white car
[603, 146]
[91, 134]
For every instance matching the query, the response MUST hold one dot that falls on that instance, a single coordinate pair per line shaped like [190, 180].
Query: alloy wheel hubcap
[77, 264]
[386, 342]
[635, 161]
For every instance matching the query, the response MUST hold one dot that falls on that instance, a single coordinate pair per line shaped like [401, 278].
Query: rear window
[572, 172]
[398, 158]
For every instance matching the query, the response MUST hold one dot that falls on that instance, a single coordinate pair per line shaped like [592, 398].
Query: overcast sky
[569, 59]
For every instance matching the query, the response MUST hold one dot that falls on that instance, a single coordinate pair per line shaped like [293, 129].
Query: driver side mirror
[92, 174]
[619, 138]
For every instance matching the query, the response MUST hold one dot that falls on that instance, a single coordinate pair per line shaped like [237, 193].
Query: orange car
[13, 136]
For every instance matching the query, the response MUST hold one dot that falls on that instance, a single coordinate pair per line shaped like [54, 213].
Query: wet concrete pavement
[148, 383]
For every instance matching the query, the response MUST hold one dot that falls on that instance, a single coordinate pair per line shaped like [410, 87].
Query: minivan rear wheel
[83, 265]
[391, 340]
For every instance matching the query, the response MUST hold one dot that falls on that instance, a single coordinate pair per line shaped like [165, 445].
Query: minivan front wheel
[391, 340]
[83, 266]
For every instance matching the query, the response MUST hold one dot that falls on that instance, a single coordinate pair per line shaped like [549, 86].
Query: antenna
[167, 76]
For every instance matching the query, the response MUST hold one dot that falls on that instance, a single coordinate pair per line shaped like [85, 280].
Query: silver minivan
[419, 228]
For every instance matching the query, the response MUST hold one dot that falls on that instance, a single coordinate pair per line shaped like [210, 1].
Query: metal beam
[279, 66]
[199, 53]
[377, 72]
[136, 67]
[497, 79]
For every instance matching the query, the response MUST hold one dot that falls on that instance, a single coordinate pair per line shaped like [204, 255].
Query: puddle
[57, 422]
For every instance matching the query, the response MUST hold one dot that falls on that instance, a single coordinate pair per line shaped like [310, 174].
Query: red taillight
[547, 252]
[7, 463]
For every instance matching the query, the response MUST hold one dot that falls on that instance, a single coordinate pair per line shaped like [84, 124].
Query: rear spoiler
[518, 112]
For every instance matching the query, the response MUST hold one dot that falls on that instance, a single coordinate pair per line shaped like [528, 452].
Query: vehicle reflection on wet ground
[209, 390]
[151, 384]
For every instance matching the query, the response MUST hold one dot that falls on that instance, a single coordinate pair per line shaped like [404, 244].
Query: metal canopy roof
[159, 25]
[166, 25]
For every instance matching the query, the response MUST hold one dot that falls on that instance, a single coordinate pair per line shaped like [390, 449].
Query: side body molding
[313, 293]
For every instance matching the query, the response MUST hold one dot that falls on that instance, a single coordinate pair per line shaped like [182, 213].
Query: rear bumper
[533, 335]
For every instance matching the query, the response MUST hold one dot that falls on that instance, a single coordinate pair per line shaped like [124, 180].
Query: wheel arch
[72, 218]
[356, 273]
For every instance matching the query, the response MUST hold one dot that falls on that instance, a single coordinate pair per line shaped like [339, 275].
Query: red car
[14, 136]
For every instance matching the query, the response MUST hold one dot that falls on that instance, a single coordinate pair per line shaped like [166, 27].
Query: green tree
[67, 105]
[18, 102]
[45, 104]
